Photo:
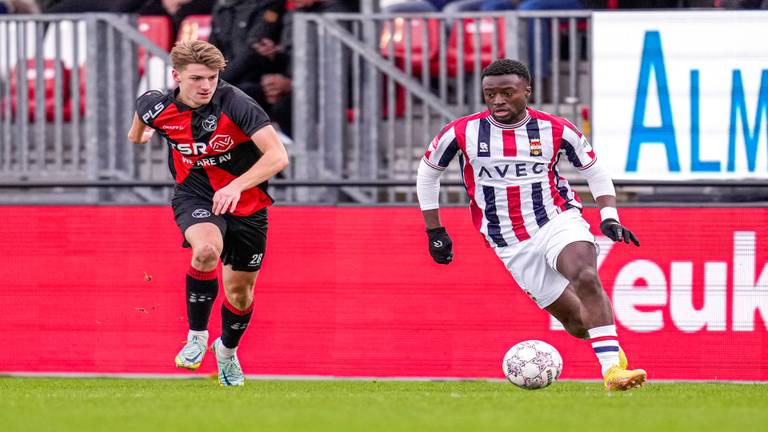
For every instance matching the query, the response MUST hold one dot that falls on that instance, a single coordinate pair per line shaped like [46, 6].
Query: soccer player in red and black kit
[223, 150]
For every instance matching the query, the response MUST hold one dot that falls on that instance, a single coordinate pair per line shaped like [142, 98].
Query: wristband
[609, 213]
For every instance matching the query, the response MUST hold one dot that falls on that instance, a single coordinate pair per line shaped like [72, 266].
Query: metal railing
[366, 101]
[370, 91]
[68, 85]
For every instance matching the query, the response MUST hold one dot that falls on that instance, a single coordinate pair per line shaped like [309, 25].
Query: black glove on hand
[615, 231]
[440, 245]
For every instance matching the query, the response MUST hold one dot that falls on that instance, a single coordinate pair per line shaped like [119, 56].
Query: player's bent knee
[205, 255]
[239, 297]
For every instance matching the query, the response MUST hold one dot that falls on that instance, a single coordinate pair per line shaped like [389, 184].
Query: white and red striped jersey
[510, 171]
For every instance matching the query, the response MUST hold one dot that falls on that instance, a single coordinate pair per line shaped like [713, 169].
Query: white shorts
[533, 262]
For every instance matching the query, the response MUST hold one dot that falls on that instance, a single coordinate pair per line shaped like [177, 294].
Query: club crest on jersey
[535, 148]
[210, 123]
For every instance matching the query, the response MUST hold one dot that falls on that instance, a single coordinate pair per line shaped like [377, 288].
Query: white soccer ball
[532, 364]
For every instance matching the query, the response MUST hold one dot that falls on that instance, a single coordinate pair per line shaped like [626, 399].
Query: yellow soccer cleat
[617, 379]
[191, 356]
[623, 362]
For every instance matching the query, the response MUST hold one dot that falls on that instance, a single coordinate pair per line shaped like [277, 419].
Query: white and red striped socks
[605, 343]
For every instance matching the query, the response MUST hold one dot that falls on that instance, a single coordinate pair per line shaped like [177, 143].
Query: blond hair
[197, 52]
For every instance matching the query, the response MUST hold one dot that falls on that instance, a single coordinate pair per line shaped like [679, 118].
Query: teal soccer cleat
[230, 372]
[191, 356]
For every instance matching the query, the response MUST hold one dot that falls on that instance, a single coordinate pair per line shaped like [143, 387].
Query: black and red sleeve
[245, 112]
[149, 106]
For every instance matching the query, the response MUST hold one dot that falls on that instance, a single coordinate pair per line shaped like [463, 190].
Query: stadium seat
[49, 85]
[158, 29]
[395, 31]
[195, 27]
[399, 100]
[82, 90]
[490, 34]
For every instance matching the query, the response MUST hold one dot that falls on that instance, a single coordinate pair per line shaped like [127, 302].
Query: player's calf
[575, 327]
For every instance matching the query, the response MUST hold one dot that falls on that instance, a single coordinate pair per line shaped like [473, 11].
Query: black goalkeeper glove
[440, 245]
[615, 231]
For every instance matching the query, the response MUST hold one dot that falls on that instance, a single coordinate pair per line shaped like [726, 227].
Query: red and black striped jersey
[511, 170]
[211, 145]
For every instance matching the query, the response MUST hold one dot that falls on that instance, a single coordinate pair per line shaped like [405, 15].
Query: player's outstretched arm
[428, 192]
[139, 133]
[274, 158]
[601, 186]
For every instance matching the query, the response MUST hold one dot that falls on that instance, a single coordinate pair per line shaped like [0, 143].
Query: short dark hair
[507, 67]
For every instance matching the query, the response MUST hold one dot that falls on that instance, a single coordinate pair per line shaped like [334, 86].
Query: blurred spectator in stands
[235, 26]
[406, 6]
[277, 86]
[19, 7]
[637, 4]
[79, 6]
[392, 6]
[176, 9]
[523, 5]
[738, 4]
[672, 4]
[463, 6]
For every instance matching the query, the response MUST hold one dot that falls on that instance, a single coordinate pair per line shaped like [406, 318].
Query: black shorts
[245, 237]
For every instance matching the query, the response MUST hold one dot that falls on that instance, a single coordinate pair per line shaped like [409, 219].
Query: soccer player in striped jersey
[528, 213]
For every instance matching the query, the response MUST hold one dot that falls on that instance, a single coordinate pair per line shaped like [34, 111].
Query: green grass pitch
[112, 405]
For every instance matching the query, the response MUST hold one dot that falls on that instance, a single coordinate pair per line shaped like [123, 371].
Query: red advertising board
[353, 292]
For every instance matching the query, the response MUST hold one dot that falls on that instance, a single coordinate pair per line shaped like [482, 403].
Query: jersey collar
[181, 106]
